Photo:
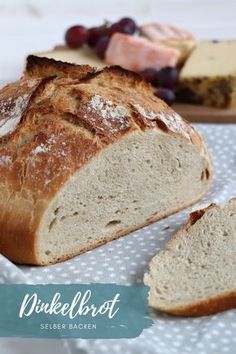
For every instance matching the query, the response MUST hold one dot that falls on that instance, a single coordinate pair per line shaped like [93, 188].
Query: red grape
[125, 25]
[101, 46]
[166, 95]
[114, 28]
[128, 24]
[76, 36]
[95, 34]
[168, 77]
[150, 75]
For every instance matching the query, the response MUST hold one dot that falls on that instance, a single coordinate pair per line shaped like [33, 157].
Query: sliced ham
[136, 54]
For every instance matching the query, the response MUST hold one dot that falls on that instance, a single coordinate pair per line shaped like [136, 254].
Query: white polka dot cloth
[125, 260]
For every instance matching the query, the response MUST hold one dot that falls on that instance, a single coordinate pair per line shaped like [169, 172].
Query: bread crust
[44, 67]
[208, 307]
[59, 131]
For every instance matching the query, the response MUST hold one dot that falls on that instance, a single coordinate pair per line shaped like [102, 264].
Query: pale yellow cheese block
[211, 59]
[185, 46]
[82, 56]
[209, 74]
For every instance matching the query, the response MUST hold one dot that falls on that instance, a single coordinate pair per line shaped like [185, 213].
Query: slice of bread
[88, 156]
[195, 275]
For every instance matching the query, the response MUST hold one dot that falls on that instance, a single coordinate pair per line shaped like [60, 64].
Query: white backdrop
[28, 26]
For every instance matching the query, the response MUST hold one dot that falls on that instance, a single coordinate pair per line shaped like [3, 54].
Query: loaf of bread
[195, 275]
[88, 156]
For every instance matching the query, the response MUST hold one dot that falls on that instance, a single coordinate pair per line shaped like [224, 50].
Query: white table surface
[28, 26]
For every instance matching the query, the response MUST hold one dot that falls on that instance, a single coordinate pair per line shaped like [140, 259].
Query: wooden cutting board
[201, 114]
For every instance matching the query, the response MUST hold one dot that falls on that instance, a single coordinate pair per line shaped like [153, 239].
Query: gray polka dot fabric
[124, 261]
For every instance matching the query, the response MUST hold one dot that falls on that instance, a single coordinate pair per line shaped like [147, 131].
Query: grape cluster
[165, 80]
[98, 37]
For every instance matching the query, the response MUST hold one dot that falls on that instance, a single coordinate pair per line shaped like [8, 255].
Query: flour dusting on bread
[148, 115]
[31, 83]
[173, 121]
[44, 147]
[5, 160]
[11, 113]
[113, 116]
[107, 109]
[41, 148]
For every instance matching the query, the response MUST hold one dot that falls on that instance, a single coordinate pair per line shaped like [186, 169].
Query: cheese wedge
[82, 56]
[136, 53]
[209, 75]
[171, 36]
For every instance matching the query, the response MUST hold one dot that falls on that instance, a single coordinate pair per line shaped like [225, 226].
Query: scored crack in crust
[53, 121]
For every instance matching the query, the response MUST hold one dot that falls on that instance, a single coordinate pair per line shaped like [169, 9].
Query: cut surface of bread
[120, 189]
[195, 274]
[89, 156]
